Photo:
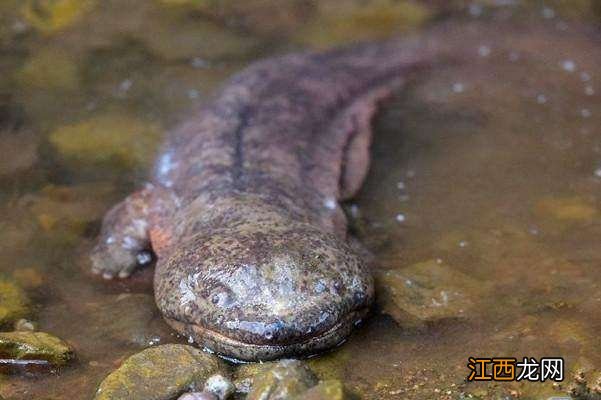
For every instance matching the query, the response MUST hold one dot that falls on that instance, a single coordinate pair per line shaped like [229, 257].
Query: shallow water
[490, 167]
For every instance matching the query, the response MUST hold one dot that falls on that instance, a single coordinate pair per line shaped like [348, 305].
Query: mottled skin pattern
[242, 212]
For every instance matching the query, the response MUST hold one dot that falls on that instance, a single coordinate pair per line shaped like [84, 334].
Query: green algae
[50, 16]
[338, 22]
[107, 140]
[49, 68]
[160, 373]
[14, 303]
[27, 345]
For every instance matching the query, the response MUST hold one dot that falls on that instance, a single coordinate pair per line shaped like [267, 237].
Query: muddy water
[489, 169]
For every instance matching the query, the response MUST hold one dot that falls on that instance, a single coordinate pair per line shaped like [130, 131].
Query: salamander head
[264, 287]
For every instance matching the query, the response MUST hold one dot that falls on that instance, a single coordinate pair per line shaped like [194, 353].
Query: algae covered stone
[325, 390]
[568, 209]
[344, 21]
[26, 345]
[426, 292]
[160, 373]
[50, 16]
[281, 380]
[107, 140]
[51, 69]
[13, 301]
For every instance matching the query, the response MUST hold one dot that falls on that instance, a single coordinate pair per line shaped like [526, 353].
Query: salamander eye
[221, 298]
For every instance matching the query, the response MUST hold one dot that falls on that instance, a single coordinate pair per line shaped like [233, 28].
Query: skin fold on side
[243, 209]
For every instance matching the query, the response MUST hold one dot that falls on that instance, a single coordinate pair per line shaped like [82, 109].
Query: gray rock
[220, 386]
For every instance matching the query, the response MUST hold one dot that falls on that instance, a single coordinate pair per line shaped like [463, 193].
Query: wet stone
[285, 379]
[50, 16]
[568, 209]
[160, 373]
[426, 292]
[111, 140]
[13, 302]
[220, 386]
[326, 390]
[69, 209]
[34, 346]
[336, 22]
[19, 152]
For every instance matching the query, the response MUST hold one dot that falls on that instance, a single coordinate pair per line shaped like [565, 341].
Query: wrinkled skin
[243, 214]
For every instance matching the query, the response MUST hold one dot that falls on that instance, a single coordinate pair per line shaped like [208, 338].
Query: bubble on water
[548, 13]
[514, 56]
[193, 94]
[410, 174]
[198, 62]
[439, 261]
[598, 172]
[585, 76]
[533, 230]
[568, 65]
[585, 112]
[541, 99]
[562, 26]
[589, 91]
[484, 51]
[401, 185]
[125, 85]
[354, 210]
[458, 87]
[400, 218]
[463, 243]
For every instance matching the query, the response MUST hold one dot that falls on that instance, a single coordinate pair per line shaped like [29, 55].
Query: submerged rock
[19, 152]
[13, 302]
[50, 16]
[426, 292]
[281, 380]
[326, 390]
[24, 345]
[49, 69]
[69, 209]
[568, 209]
[107, 140]
[160, 373]
[338, 21]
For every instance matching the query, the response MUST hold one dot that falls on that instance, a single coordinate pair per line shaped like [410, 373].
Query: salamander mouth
[237, 350]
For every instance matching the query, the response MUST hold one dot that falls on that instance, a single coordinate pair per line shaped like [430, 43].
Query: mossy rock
[339, 22]
[49, 69]
[160, 373]
[25, 345]
[326, 390]
[14, 303]
[50, 16]
[282, 380]
[567, 209]
[107, 140]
